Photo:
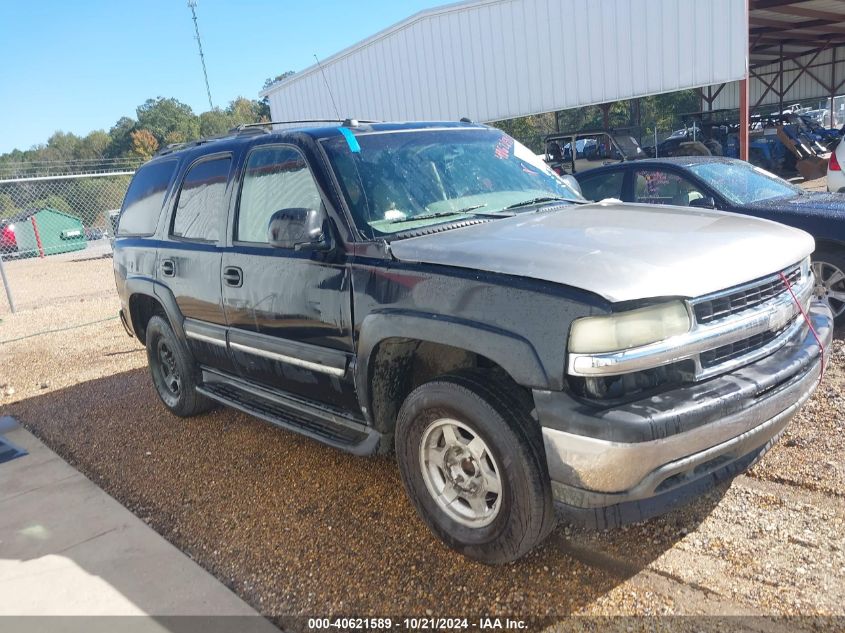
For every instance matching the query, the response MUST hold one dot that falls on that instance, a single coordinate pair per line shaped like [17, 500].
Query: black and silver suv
[435, 290]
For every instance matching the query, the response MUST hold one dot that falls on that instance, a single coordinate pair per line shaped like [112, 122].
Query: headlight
[624, 330]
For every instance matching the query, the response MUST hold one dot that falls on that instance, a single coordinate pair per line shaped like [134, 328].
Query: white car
[835, 175]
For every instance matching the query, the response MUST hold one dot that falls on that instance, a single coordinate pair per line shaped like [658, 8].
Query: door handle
[233, 276]
[168, 268]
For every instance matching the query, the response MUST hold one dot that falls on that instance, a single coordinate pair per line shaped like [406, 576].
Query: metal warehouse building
[796, 53]
[499, 59]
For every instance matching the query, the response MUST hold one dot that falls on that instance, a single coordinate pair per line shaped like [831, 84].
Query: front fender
[512, 352]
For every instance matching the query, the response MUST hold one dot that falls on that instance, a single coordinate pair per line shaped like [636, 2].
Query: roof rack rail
[252, 128]
[350, 122]
[175, 147]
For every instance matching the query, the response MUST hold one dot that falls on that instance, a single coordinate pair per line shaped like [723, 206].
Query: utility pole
[192, 4]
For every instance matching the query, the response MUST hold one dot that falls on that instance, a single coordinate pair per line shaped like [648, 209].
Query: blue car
[727, 184]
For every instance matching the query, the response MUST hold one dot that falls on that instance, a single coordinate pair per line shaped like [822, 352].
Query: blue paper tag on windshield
[350, 139]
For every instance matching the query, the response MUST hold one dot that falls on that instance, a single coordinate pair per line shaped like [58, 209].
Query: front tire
[173, 370]
[472, 462]
[829, 270]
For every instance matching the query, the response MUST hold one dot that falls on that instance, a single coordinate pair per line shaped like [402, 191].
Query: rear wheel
[473, 465]
[829, 270]
[173, 370]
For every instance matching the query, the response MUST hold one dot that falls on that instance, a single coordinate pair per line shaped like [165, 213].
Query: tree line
[129, 142]
[158, 122]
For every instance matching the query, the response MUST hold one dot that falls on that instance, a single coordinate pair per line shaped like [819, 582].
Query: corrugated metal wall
[804, 89]
[499, 59]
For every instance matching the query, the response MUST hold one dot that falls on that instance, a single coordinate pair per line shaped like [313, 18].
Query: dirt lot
[69, 277]
[296, 528]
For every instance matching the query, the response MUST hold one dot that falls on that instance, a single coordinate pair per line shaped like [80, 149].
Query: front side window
[202, 201]
[275, 178]
[403, 180]
[142, 204]
[654, 186]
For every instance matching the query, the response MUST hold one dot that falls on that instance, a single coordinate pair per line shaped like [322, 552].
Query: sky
[80, 66]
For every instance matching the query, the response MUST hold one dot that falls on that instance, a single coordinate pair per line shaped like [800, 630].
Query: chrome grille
[714, 357]
[749, 296]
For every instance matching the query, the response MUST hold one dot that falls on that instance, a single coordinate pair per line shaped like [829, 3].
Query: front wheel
[829, 271]
[472, 463]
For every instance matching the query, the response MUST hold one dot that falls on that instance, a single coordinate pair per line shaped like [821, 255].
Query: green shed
[41, 232]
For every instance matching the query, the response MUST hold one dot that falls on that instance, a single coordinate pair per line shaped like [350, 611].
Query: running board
[290, 413]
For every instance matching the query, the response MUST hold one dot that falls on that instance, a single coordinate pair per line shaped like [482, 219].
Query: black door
[289, 312]
[189, 260]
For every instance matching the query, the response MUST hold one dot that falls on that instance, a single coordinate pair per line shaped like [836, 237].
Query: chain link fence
[55, 237]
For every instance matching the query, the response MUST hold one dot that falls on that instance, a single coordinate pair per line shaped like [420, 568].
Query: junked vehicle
[435, 290]
[574, 152]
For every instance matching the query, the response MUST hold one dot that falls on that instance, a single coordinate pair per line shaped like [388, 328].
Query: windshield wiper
[528, 203]
[440, 214]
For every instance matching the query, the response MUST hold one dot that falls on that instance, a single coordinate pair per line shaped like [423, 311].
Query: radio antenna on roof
[334, 105]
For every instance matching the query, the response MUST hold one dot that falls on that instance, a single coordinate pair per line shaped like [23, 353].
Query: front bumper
[641, 458]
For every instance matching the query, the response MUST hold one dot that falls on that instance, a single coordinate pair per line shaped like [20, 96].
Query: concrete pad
[68, 548]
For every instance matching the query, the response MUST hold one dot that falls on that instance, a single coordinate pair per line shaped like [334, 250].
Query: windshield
[403, 180]
[743, 183]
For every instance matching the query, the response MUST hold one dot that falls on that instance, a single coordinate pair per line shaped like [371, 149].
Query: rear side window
[602, 186]
[142, 204]
[202, 201]
[276, 178]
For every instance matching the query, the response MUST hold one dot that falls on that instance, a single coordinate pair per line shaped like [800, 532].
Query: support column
[780, 79]
[832, 83]
[744, 118]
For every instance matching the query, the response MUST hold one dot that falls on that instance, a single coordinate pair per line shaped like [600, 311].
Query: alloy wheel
[830, 285]
[461, 473]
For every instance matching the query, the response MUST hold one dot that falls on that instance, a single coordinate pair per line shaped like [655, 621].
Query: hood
[619, 251]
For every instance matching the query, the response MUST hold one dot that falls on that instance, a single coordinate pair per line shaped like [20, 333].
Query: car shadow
[297, 528]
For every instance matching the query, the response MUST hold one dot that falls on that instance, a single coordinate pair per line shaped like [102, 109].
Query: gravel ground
[58, 279]
[296, 528]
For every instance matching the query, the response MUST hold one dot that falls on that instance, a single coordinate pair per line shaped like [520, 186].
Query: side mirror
[298, 228]
[703, 203]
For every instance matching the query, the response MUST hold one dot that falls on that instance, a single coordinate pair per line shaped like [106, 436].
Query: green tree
[161, 117]
[215, 122]
[53, 201]
[7, 205]
[243, 110]
[61, 146]
[120, 139]
[93, 146]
